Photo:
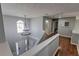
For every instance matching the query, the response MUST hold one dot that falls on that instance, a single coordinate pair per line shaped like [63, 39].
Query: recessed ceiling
[37, 9]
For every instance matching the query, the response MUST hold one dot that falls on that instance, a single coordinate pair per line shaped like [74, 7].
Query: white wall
[66, 31]
[37, 27]
[2, 34]
[75, 36]
[76, 28]
[4, 47]
[11, 30]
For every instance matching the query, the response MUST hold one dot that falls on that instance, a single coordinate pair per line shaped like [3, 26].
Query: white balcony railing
[46, 48]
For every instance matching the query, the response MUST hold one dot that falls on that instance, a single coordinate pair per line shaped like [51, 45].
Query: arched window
[20, 26]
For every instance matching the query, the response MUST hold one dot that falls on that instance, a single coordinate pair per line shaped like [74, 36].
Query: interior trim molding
[77, 46]
[65, 36]
[56, 50]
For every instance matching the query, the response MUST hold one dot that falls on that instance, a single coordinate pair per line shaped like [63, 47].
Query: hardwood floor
[67, 49]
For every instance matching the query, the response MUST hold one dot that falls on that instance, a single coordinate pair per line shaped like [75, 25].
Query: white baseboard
[65, 36]
[78, 49]
[77, 46]
[56, 51]
[74, 43]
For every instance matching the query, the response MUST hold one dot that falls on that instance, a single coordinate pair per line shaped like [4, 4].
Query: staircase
[46, 36]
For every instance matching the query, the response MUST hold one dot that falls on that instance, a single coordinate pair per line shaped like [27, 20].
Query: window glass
[20, 26]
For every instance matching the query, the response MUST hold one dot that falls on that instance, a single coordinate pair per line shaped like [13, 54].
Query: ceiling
[37, 9]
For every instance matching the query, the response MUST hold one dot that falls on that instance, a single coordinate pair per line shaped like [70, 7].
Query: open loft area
[39, 29]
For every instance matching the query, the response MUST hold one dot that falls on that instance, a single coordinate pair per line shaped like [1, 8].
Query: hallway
[67, 49]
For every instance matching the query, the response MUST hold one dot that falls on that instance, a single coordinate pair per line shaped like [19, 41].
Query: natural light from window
[20, 26]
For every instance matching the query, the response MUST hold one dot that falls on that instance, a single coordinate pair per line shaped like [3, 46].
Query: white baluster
[17, 48]
[26, 44]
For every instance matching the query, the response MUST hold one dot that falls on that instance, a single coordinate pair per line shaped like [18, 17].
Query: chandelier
[26, 30]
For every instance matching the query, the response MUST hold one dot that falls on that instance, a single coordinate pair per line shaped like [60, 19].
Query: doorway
[54, 26]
